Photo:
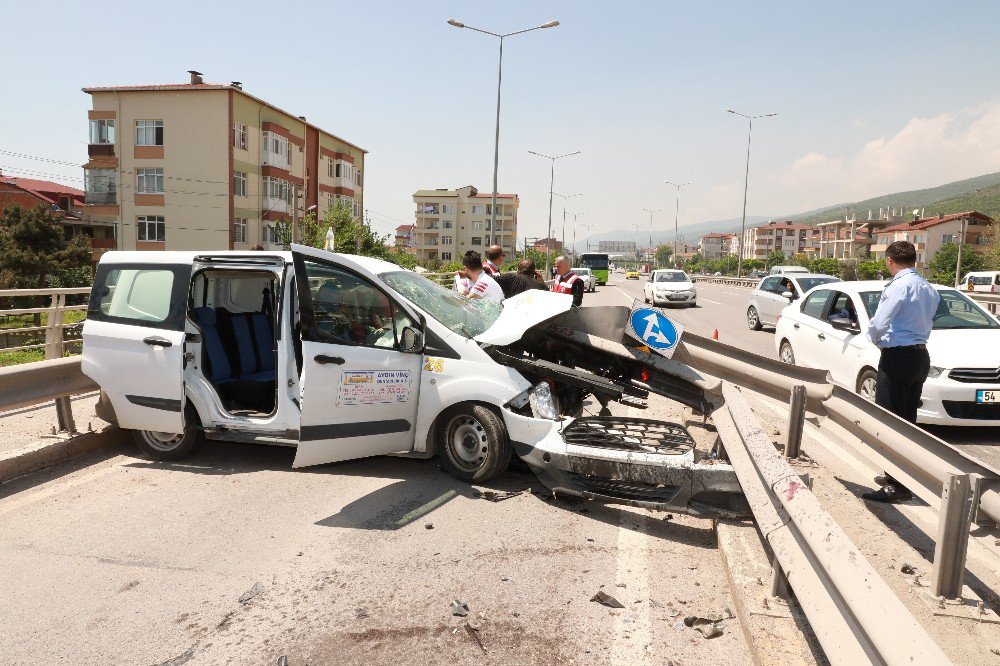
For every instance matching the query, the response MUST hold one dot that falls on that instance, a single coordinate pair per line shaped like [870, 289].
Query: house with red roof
[717, 245]
[928, 234]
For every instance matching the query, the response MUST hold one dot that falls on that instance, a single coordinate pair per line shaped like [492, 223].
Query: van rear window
[149, 295]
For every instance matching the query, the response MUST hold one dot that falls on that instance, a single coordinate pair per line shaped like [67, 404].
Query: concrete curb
[770, 631]
[50, 452]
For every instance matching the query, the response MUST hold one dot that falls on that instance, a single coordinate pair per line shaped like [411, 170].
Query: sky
[871, 98]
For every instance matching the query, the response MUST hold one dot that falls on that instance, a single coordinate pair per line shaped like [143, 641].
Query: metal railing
[58, 334]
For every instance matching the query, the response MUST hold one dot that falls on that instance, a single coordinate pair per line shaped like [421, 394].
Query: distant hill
[981, 193]
[933, 196]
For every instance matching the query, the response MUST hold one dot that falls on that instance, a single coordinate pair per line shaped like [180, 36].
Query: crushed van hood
[523, 311]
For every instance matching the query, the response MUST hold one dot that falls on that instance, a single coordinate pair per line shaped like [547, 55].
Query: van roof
[371, 264]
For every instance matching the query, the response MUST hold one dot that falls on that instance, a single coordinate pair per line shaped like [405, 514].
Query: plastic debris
[459, 608]
[474, 632]
[606, 599]
[908, 569]
[429, 526]
[254, 591]
[707, 627]
[494, 496]
[282, 660]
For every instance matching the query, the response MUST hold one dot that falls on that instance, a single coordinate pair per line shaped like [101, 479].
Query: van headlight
[936, 372]
[543, 402]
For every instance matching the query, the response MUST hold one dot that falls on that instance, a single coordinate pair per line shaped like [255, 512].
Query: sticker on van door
[370, 387]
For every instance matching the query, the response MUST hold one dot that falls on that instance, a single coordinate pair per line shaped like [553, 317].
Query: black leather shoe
[889, 494]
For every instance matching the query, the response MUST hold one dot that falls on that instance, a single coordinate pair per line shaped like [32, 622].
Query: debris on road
[474, 632]
[707, 627]
[908, 569]
[429, 526]
[254, 591]
[495, 496]
[361, 613]
[606, 599]
[459, 608]
[282, 661]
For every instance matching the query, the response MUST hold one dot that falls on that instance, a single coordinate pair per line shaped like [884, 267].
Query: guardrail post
[796, 421]
[979, 484]
[952, 544]
[54, 346]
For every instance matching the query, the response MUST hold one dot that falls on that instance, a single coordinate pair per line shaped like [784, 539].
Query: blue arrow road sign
[655, 330]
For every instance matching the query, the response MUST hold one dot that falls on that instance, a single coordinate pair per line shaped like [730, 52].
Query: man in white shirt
[472, 281]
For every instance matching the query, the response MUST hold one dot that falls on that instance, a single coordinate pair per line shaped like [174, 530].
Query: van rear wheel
[171, 446]
[473, 443]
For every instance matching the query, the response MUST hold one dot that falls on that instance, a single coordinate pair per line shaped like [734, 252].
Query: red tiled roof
[927, 222]
[716, 234]
[44, 189]
[403, 228]
[489, 195]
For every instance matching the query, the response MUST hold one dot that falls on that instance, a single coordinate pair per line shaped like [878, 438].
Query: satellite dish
[916, 211]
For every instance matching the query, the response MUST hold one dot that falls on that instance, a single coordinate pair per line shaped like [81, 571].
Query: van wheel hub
[468, 442]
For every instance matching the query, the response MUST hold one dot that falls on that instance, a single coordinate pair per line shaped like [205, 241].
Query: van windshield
[465, 316]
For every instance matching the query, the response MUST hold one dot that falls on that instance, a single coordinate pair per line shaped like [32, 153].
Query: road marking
[627, 297]
[633, 628]
[709, 301]
[733, 293]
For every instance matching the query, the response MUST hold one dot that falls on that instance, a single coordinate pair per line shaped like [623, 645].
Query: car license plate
[676, 297]
[984, 396]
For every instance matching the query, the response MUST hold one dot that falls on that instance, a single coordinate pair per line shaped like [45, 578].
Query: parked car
[631, 275]
[758, 274]
[589, 279]
[827, 329]
[785, 270]
[988, 281]
[670, 287]
[775, 292]
[341, 357]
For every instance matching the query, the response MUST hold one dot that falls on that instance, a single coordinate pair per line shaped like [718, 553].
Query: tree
[662, 254]
[942, 266]
[35, 253]
[826, 265]
[870, 270]
[775, 258]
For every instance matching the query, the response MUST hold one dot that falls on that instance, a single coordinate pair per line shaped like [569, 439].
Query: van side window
[141, 296]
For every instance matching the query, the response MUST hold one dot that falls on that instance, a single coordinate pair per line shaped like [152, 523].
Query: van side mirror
[413, 340]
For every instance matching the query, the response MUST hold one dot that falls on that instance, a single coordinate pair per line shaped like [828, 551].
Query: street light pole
[575, 215]
[564, 198]
[647, 210]
[496, 139]
[677, 215]
[552, 182]
[746, 182]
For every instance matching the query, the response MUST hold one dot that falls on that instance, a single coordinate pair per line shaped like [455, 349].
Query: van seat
[248, 386]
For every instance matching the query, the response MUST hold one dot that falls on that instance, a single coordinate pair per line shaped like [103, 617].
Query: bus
[597, 262]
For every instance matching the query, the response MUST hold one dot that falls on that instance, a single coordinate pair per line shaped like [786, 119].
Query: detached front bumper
[632, 461]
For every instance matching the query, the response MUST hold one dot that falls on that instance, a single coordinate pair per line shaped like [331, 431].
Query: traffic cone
[715, 336]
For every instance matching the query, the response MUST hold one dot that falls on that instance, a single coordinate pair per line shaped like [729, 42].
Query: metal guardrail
[55, 329]
[731, 281]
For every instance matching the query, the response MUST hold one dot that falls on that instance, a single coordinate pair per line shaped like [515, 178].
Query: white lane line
[633, 627]
[707, 300]
[627, 297]
[733, 293]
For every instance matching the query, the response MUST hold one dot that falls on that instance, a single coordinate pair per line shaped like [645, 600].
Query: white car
[589, 279]
[826, 330]
[341, 357]
[785, 270]
[775, 292]
[670, 287]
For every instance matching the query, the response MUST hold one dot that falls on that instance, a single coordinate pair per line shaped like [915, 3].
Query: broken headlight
[543, 402]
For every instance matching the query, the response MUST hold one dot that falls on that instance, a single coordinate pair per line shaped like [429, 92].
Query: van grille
[631, 434]
[976, 375]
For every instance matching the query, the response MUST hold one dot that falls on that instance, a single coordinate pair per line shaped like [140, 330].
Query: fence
[59, 335]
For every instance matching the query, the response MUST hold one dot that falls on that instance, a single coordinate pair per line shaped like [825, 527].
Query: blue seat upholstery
[238, 356]
[219, 369]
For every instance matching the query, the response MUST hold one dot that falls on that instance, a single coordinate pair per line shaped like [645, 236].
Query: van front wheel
[473, 444]
[170, 446]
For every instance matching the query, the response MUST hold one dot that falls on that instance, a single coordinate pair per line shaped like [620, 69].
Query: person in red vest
[567, 282]
[494, 259]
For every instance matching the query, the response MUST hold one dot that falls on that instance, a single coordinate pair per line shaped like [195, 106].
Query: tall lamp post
[496, 140]
[647, 210]
[746, 182]
[564, 197]
[677, 216]
[576, 215]
[552, 182]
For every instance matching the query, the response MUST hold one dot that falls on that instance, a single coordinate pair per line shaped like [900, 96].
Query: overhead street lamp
[677, 215]
[552, 182]
[496, 140]
[746, 181]
[647, 210]
[564, 197]
[576, 215]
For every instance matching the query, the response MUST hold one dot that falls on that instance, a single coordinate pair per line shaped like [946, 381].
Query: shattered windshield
[465, 316]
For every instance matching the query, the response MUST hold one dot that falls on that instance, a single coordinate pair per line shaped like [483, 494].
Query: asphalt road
[724, 307]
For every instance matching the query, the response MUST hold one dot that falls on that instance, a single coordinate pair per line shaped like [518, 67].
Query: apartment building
[928, 234]
[717, 245]
[788, 237]
[449, 223]
[208, 166]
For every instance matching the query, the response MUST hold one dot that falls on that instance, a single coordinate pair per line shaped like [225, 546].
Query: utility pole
[295, 213]
[958, 264]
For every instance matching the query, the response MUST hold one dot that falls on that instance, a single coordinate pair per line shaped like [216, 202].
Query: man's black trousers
[901, 375]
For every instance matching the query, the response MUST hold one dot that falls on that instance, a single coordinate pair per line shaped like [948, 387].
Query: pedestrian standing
[473, 281]
[525, 279]
[494, 260]
[900, 329]
[567, 282]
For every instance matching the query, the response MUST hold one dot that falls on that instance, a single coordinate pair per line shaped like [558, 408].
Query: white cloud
[927, 151]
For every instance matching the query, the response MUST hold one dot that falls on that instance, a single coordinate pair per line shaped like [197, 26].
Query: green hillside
[981, 193]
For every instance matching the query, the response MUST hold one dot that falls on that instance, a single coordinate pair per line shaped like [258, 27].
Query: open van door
[133, 342]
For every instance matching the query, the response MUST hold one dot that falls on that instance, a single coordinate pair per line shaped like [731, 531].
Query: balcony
[103, 243]
[101, 150]
[101, 198]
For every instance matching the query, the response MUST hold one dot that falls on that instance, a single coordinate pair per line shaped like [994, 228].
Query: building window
[102, 131]
[477, 240]
[357, 177]
[149, 181]
[269, 235]
[275, 188]
[99, 186]
[447, 208]
[149, 132]
[240, 230]
[447, 240]
[477, 225]
[329, 168]
[446, 256]
[477, 210]
[239, 183]
[151, 228]
[239, 136]
[948, 238]
[447, 224]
